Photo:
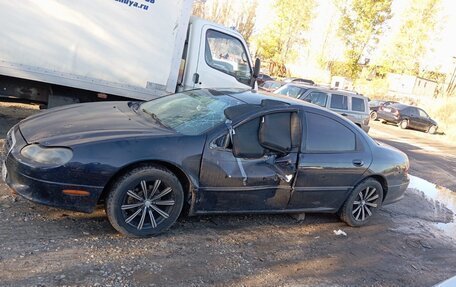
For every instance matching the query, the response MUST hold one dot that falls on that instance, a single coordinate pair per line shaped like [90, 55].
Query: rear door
[424, 121]
[333, 159]
[414, 118]
[339, 103]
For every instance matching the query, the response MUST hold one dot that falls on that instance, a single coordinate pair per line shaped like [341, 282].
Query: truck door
[223, 60]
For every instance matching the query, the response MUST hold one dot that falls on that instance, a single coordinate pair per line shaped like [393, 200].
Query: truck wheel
[363, 203]
[404, 124]
[145, 202]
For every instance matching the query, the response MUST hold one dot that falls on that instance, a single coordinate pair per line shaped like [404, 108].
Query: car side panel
[324, 180]
[83, 173]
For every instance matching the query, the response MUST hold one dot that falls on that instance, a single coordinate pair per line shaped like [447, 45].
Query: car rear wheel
[404, 124]
[432, 130]
[373, 115]
[145, 202]
[363, 203]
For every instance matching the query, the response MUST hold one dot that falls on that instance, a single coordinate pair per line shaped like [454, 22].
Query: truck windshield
[191, 112]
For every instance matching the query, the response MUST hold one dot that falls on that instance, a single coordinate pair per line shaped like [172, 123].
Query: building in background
[341, 83]
[407, 86]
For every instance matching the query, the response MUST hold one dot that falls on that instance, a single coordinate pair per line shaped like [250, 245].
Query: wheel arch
[183, 178]
[381, 179]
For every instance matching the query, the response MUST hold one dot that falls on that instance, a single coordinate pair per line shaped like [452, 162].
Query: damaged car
[212, 151]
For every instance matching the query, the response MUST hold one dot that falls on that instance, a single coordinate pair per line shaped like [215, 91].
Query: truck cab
[215, 56]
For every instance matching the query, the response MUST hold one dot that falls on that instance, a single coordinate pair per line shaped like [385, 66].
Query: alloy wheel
[148, 204]
[365, 202]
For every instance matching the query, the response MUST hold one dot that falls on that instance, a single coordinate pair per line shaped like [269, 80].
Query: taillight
[380, 108]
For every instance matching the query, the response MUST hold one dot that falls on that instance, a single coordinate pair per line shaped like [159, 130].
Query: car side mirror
[256, 72]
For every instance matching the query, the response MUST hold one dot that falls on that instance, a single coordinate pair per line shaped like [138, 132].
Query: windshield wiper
[155, 118]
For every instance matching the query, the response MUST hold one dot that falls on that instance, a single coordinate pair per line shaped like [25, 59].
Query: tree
[279, 43]
[235, 13]
[411, 42]
[361, 24]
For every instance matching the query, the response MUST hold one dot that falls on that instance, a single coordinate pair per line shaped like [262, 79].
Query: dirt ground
[42, 246]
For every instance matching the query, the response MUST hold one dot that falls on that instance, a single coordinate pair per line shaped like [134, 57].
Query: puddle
[440, 194]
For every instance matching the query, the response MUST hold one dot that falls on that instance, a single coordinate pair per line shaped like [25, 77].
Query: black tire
[404, 124]
[357, 211]
[155, 212]
[373, 115]
[432, 130]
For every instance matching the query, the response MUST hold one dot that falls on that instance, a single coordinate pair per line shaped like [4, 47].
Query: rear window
[339, 102]
[358, 105]
[327, 135]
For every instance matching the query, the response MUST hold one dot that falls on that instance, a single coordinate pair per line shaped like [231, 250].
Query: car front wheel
[432, 130]
[363, 203]
[145, 202]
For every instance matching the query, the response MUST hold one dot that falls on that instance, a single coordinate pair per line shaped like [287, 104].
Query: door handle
[358, 162]
[344, 114]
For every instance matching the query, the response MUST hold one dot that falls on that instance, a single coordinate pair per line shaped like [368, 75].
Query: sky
[444, 45]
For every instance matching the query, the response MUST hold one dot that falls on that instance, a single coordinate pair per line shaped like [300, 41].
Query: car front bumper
[61, 195]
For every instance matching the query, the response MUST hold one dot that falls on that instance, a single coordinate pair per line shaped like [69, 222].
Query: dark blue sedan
[216, 151]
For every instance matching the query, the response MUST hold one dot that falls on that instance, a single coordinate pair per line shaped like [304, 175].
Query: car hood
[76, 124]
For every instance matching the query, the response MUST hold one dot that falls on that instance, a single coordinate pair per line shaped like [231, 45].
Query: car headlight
[45, 155]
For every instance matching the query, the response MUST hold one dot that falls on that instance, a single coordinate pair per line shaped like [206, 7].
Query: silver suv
[349, 104]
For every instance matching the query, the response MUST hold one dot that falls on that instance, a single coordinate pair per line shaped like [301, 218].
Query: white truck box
[126, 48]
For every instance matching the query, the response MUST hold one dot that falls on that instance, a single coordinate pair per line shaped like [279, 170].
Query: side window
[339, 102]
[358, 105]
[317, 98]
[327, 135]
[291, 91]
[413, 112]
[277, 132]
[423, 113]
[226, 53]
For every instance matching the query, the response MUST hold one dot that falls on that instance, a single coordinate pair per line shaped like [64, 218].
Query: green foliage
[411, 43]
[361, 25]
[339, 69]
[235, 13]
[279, 42]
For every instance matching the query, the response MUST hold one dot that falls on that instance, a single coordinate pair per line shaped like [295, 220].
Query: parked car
[298, 80]
[216, 151]
[349, 104]
[270, 86]
[375, 105]
[262, 78]
[407, 116]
